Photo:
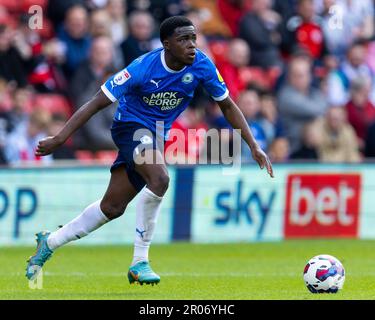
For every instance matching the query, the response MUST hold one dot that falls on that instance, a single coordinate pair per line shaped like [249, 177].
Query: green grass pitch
[239, 271]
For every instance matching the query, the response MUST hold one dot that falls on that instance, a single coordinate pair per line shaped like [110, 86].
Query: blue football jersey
[149, 91]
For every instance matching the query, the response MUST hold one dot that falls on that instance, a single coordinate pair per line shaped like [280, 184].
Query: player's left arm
[214, 83]
[237, 120]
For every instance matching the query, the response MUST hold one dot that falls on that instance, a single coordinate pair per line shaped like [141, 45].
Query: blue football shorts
[130, 143]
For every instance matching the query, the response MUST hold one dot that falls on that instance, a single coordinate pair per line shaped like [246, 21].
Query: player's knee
[111, 210]
[159, 183]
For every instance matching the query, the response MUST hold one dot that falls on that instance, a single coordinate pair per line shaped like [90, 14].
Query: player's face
[182, 44]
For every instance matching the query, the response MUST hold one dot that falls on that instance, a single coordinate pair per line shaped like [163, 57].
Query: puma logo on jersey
[156, 83]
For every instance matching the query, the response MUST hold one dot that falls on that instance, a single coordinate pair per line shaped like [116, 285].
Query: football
[324, 274]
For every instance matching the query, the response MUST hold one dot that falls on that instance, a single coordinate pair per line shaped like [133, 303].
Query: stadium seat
[54, 103]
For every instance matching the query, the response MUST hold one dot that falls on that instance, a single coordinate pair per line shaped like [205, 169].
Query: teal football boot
[42, 254]
[142, 273]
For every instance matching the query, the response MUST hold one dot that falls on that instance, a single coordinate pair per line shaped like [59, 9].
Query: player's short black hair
[169, 25]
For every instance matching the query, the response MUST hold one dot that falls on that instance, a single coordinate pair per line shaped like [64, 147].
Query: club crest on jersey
[187, 78]
[121, 77]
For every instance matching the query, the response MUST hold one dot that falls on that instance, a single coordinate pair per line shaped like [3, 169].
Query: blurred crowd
[301, 71]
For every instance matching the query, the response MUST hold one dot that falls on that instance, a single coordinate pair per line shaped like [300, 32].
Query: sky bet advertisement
[203, 203]
[241, 207]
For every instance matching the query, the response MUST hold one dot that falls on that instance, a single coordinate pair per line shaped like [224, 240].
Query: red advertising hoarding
[322, 205]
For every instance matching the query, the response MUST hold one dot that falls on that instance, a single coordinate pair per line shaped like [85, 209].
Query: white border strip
[108, 93]
[162, 57]
[221, 98]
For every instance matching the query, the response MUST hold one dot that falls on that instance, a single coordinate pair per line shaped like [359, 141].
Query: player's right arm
[80, 117]
[113, 89]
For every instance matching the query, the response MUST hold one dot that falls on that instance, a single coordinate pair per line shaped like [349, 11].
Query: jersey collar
[162, 57]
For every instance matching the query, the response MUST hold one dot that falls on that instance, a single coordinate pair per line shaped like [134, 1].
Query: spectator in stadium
[202, 41]
[161, 9]
[53, 51]
[99, 23]
[360, 111]
[42, 72]
[21, 143]
[17, 115]
[249, 103]
[139, 40]
[305, 31]
[285, 8]
[360, 17]
[76, 38]
[57, 9]
[298, 101]
[100, 27]
[279, 150]
[339, 80]
[95, 134]
[232, 11]
[100, 59]
[237, 59]
[270, 119]
[13, 65]
[355, 17]
[67, 150]
[213, 24]
[310, 141]
[118, 21]
[338, 141]
[337, 32]
[260, 28]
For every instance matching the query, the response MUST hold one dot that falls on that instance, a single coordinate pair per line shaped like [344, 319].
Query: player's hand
[260, 156]
[46, 146]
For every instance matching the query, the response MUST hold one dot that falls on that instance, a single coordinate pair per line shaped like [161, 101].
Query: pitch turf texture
[191, 271]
